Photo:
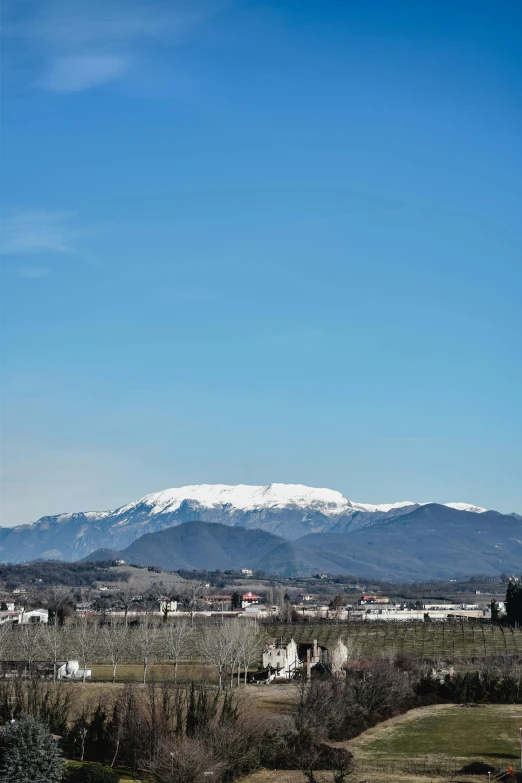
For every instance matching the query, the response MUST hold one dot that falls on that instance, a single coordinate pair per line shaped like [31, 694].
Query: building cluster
[288, 660]
[367, 607]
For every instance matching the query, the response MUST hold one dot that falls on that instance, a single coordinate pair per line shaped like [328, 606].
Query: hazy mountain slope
[293, 559]
[64, 536]
[432, 542]
[429, 543]
[200, 545]
[289, 510]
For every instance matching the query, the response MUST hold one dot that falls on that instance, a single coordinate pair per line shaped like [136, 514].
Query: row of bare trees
[60, 600]
[230, 647]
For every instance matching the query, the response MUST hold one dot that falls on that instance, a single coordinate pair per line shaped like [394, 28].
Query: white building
[71, 671]
[338, 656]
[166, 605]
[33, 616]
[282, 660]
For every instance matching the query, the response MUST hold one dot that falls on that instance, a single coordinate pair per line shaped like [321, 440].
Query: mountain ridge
[434, 542]
[288, 510]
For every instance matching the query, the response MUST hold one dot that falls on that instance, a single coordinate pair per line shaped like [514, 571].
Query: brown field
[156, 672]
[294, 776]
[274, 702]
[142, 578]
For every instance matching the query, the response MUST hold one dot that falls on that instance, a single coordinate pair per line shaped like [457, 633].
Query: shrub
[28, 754]
[91, 773]
[477, 768]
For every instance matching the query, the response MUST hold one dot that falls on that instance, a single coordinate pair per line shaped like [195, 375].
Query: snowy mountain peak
[466, 507]
[246, 497]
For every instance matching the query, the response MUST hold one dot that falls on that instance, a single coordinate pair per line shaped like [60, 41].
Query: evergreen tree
[514, 603]
[229, 711]
[28, 754]
[191, 719]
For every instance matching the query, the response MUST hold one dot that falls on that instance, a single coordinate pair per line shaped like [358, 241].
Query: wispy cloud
[33, 272]
[73, 74]
[38, 231]
[76, 45]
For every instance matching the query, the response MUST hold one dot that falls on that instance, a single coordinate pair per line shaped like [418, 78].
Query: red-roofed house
[249, 598]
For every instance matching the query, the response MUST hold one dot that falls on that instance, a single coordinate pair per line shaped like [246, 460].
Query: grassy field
[450, 640]
[428, 744]
[143, 579]
[156, 672]
[442, 737]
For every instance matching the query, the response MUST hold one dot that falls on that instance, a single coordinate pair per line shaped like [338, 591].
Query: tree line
[55, 572]
[229, 648]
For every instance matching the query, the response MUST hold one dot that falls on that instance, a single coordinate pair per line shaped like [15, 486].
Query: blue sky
[261, 241]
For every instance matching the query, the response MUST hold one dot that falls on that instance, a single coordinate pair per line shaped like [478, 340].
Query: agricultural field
[156, 672]
[445, 737]
[450, 640]
[427, 744]
[143, 579]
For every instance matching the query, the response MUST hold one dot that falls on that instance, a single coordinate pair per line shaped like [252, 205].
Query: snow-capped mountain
[289, 510]
[244, 497]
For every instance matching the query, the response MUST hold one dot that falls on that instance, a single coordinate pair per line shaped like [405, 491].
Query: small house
[247, 599]
[33, 616]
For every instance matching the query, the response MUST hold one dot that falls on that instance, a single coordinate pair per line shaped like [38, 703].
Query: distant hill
[432, 542]
[197, 545]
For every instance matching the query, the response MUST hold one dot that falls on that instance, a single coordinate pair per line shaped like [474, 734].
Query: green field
[446, 736]
[450, 640]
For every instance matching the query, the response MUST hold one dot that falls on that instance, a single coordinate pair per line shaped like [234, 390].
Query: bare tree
[217, 647]
[249, 648]
[383, 691]
[164, 594]
[29, 639]
[85, 640]
[114, 642]
[54, 641]
[146, 642]
[185, 760]
[57, 600]
[236, 632]
[191, 595]
[177, 641]
[5, 638]
[126, 598]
